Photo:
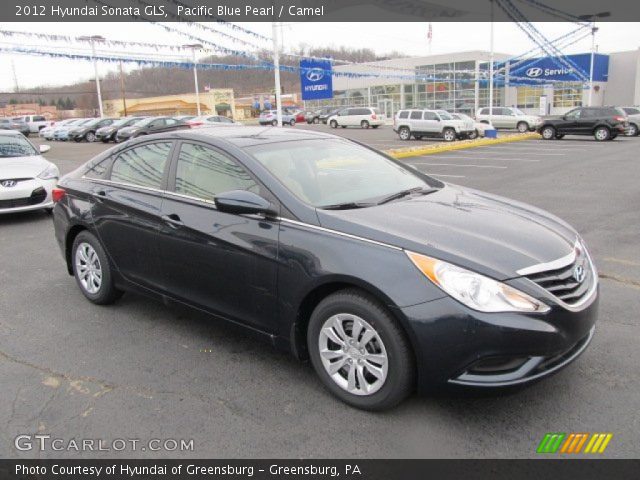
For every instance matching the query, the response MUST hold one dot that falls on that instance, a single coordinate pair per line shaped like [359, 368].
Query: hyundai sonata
[386, 279]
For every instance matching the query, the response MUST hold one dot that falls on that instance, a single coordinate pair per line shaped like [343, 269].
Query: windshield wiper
[347, 206]
[404, 193]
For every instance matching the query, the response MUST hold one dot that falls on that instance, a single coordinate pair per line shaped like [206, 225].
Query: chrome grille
[571, 282]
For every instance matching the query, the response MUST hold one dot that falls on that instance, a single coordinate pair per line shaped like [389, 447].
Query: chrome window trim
[123, 184]
[336, 232]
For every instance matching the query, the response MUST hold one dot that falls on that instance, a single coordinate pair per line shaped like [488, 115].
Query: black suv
[604, 123]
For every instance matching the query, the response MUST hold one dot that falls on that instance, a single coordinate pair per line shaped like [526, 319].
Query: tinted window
[631, 111]
[171, 121]
[39, 119]
[143, 165]
[99, 169]
[484, 111]
[224, 120]
[203, 172]
[404, 114]
[430, 116]
[416, 115]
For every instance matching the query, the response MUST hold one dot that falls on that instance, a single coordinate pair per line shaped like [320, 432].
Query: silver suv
[634, 120]
[418, 123]
[509, 117]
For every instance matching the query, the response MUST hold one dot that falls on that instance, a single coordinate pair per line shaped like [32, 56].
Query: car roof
[247, 136]
[11, 133]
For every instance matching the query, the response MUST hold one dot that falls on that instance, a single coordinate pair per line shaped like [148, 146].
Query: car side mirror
[243, 202]
[44, 148]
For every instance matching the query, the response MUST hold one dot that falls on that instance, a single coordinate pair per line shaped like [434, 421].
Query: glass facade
[529, 97]
[567, 94]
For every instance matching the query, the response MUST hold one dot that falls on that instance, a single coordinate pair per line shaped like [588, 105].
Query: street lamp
[92, 39]
[194, 47]
[594, 29]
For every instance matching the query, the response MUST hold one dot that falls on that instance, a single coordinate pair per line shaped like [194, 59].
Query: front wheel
[473, 135]
[90, 137]
[274, 123]
[601, 134]
[404, 133]
[523, 127]
[316, 120]
[364, 124]
[548, 133]
[449, 135]
[92, 270]
[359, 351]
[292, 122]
[633, 130]
[333, 124]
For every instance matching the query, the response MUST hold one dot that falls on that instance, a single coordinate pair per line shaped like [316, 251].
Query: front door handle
[173, 220]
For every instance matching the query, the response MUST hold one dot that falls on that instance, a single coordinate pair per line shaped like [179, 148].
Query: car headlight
[474, 290]
[50, 172]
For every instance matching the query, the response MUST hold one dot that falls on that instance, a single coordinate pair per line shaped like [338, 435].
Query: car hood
[476, 230]
[109, 128]
[22, 167]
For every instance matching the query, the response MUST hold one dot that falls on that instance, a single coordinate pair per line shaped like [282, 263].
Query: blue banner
[539, 70]
[316, 80]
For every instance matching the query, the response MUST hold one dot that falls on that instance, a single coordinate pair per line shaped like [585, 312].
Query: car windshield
[329, 172]
[144, 122]
[517, 111]
[445, 115]
[16, 146]
[121, 122]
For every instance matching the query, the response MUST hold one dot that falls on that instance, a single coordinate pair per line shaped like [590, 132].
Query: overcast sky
[408, 38]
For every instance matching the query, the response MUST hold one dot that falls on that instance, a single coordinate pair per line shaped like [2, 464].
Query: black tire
[364, 124]
[105, 140]
[78, 139]
[107, 292]
[90, 137]
[522, 127]
[274, 123]
[404, 133]
[633, 130]
[613, 136]
[400, 380]
[333, 124]
[473, 135]
[602, 134]
[316, 120]
[548, 132]
[418, 137]
[343, 126]
[292, 122]
[375, 126]
[449, 135]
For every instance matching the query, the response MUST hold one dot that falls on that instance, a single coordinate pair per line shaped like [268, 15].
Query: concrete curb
[459, 145]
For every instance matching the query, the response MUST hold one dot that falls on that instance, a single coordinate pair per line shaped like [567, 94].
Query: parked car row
[11, 124]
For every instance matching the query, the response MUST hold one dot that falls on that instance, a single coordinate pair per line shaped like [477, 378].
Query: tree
[60, 104]
[69, 104]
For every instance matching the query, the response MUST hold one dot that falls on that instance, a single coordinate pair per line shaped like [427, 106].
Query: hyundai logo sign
[315, 74]
[8, 183]
[534, 72]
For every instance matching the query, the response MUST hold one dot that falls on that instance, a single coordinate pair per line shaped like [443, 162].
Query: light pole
[276, 67]
[594, 29]
[92, 39]
[193, 48]
[491, 56]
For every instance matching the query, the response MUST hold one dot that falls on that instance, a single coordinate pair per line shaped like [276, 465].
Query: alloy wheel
[88, 268]
[353, 354]
[548, 133]
[90, 137]
[404, 133]
[449, 135]
[523, 127]
[602, 134]
[633, 130]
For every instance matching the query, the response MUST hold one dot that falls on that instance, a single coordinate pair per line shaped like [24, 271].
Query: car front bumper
[459, 347]
[25, 197]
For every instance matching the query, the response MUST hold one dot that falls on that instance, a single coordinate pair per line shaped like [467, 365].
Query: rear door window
[431, 116]
[142, 165]
[416, 115]
[403, 114]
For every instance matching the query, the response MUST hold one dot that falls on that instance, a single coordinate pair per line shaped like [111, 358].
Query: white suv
[429, 123]
[508, 117]
[363, 117]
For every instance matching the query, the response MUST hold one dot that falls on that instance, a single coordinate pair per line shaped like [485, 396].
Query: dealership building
[458, 82]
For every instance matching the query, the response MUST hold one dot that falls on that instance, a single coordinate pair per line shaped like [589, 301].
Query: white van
[363, 117]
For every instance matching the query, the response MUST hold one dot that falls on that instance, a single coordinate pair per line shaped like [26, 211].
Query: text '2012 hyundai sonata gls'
[385, 278]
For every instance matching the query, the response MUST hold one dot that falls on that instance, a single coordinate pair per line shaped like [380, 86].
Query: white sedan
[479, 127]
[26, 177]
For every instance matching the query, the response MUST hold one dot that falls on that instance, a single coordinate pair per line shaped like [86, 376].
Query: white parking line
[440, 175]
[459, 165]
[471, 157]
[537, 154]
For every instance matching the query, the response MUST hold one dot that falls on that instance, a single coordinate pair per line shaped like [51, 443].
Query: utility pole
[92, 39]
[594, 29]
[193, 48]
[16, 86]
[491, 55]
[276, 66]
[124, 98]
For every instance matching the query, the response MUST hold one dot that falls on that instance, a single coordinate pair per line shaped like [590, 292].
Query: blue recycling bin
[491, 133]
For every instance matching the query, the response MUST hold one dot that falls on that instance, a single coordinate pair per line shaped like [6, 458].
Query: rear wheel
[316, 120]
[364, 124]
[449, 134]
[601, 134]
[92, 270]
[274, 123]
[359, 351]
[633, 130]
[404, 133]
[473, 135]
[292, 122]
[333, 124]
[90, 137]
[523, 127]
[548, 133]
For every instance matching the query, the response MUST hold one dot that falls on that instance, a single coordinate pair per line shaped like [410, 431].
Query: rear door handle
[173, 220]
[100, 195]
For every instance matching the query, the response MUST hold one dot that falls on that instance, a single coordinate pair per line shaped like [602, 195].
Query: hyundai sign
[316, 79]
[538, 70]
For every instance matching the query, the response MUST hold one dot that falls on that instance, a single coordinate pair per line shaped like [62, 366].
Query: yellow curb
[460, 145]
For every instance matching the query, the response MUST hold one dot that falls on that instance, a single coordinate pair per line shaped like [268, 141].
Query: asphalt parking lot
[140, 369]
